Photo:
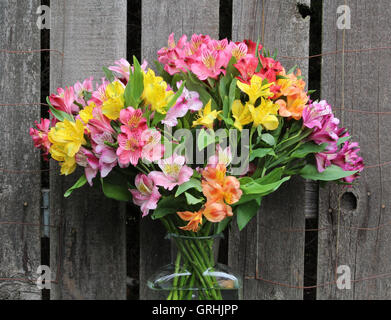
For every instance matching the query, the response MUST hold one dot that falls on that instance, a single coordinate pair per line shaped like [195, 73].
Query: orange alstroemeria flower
[194, 218]
[220, 191]
[217, 211]
[217, 187]
[293, 89]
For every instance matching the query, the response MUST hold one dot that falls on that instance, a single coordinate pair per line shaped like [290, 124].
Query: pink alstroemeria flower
[130, 146]
[348, 159]
[174, 172]
[122, 67]
[80, 88]
[239, 50]
[223, 49]
[89, 161]
[173, 55]
[133, 119]
[40, 136]
[99, 95]
[64, 100]
[324, 159]
[189, 100]
[147, 194]
[221, 157]
[209, 66]
[318, 116]
[247, 67]
[152, 150]
[314, 113]
[100, 123]
[107, 156]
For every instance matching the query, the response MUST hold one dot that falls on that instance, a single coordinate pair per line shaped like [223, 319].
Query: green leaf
[223, 87]
[281, 77]
[260, 66]
[343, 140]
[226, 107]
[108, 74]
[330, 174]
[163, 73]
[175, 79]
[245, 212]
[135, 86]
[115, 186]
[247, 198]
[191, 184]
[260, 153]
[116, 127]
[274, 57]
[79, 183]
[308, 148]
[205, 138]
[269, 139]
[191, 200]
[231, 70]
[87, 96]
[168, 205]
[222, 225]
[263, 189]
[58, 114]
[204, 95]
[245, 180]
[291, 70]
[232, 93]
[273, 176]
[176, 96]
[157, 118]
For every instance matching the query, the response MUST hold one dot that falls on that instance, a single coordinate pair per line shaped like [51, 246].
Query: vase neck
[203, 246]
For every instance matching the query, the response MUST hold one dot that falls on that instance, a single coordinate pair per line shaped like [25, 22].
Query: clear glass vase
[193, 273]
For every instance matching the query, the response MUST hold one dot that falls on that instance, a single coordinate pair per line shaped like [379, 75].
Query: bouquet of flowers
[198, 144]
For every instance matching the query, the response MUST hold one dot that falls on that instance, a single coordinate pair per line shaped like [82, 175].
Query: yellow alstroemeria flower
[115, 100]
[66, 137]
[155, 92]
[68, 164]
[256, 90]
[86, 113]
[265, 114]
[206, 116]
[242, 114]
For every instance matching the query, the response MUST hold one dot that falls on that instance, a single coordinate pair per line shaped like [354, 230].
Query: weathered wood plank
[159, 19]
[20, 193]
[278, 256]
[358, 81]
[91, 243]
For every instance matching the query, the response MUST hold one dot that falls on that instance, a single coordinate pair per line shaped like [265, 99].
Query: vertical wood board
[358, 81]
[89, 249]
[20, 193]
[262, 247]
[159, 20]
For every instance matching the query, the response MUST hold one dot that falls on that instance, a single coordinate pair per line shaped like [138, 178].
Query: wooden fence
[88, 233]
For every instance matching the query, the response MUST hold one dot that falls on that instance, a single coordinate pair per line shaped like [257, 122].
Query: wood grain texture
[278, 256]
[358, 81]
[90, 248]
[19, 193]
[159, 19]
